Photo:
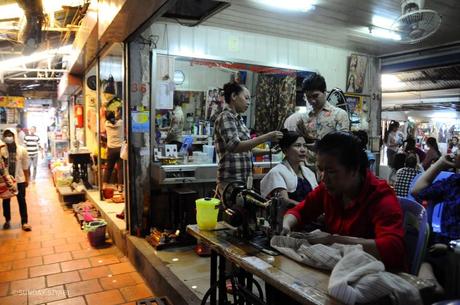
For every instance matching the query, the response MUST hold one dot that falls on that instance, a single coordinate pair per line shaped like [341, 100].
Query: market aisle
[55, 264]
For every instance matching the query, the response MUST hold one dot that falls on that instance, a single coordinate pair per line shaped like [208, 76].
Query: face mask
[8, 140]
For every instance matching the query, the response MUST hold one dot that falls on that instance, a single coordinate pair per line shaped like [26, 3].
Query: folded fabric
[357, 277]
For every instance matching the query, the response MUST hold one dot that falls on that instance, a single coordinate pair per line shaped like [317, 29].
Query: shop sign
[12, 101]
[140, 121]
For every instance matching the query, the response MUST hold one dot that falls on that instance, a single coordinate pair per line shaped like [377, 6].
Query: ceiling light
[383, 33]
[391, 82]
[10, 11]
[382, 22]
[37, 56]
[291, 5]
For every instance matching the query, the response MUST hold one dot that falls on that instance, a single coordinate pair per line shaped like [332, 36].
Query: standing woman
[233, 142]
[114, 130]
[432, 154]
[392, 142]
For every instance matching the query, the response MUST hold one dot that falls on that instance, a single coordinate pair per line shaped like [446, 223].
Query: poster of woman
[356, 73]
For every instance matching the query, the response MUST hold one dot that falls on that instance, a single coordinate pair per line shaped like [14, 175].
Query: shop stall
[170, 76]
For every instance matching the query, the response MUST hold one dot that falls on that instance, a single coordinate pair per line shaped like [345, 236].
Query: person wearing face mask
[290, 179]
[18, 166]
[358, 207]
[324, 117]
[234, 146]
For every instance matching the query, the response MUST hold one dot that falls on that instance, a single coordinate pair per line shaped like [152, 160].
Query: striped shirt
[32, 143]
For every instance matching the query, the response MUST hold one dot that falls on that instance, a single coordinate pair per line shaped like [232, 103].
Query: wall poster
[357, 66]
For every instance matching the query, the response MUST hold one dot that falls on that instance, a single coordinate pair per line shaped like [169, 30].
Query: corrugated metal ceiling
[336, 22]
[430, 79]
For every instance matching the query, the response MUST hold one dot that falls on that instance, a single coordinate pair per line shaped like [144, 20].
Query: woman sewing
[359, 208]
[290, 179]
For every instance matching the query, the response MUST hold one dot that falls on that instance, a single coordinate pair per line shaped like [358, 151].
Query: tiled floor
[55, 264]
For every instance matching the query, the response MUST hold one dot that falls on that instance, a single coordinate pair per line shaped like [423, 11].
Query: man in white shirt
[21, 134]
[324, 117]
[32, 143]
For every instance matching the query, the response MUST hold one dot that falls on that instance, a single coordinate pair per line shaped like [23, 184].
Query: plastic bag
[8, 186]
[124, 151]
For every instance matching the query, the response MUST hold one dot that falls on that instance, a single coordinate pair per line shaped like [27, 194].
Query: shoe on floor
[6, 225]
[26, 227]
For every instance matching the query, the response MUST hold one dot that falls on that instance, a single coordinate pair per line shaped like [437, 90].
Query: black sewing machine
[256, 218]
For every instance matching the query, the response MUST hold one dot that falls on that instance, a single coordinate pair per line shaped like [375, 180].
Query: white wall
[244, 47]
[200, 78]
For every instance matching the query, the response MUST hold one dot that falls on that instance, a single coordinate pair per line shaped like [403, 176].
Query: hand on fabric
[285, 231]
[289, 221]
[26, 183]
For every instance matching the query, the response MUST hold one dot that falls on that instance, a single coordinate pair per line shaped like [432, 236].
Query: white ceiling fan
[415, 23]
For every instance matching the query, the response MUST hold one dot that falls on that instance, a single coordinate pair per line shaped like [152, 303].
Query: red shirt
[374, 214]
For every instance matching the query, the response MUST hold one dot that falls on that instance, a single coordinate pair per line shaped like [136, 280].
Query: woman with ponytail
[232, 139]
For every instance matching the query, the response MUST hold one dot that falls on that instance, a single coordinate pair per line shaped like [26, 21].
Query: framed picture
[357, 66]
[355, 103]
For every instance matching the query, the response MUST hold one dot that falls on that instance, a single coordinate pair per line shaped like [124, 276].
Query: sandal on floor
[26, 227]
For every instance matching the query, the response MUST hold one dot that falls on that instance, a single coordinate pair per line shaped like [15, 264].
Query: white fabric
[357, 277]
[283, 176]
[114, 134]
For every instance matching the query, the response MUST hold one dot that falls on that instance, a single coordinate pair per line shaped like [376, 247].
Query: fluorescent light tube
[291, 5]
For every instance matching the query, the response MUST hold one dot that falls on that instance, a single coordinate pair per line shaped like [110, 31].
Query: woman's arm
[427, 177]
[248, 145]
[279, 192]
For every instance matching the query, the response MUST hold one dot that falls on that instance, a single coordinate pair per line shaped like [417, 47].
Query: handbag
[8, 185]
[124, 151]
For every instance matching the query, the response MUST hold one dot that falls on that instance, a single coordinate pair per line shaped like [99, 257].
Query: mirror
[188, 103]
[112, 133]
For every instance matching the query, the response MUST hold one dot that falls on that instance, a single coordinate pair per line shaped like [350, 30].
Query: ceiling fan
[415, 23]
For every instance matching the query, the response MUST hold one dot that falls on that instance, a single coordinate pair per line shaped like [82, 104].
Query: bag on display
[8, 186]
[124, 151]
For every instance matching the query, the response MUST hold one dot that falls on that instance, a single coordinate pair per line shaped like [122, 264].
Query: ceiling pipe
[30, 32]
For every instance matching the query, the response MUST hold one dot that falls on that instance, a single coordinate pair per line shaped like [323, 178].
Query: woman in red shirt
[358, 207]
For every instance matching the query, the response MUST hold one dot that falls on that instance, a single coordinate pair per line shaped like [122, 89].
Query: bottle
[266, 158]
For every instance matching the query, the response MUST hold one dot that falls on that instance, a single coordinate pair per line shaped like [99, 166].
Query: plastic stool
[182, 212]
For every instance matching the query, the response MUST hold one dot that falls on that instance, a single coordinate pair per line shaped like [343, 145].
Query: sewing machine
[256, 218]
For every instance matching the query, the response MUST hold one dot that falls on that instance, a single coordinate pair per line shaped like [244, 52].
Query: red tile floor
[55, 264]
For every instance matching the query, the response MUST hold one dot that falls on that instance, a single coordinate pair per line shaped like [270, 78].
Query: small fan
[416, 24]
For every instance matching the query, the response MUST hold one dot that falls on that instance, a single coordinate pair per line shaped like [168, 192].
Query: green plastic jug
[206, 213]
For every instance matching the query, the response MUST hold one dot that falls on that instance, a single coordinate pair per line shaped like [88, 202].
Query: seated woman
[405, 175]
[445, 190]
[290, 179]
[432, 154]
[359, 208]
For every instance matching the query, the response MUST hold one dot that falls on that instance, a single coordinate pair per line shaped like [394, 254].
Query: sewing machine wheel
[230, 193]
[233, 213]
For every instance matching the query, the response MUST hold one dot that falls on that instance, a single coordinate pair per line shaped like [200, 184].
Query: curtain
[275, 100]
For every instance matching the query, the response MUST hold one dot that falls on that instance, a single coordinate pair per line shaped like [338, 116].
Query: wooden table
[304, 284]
